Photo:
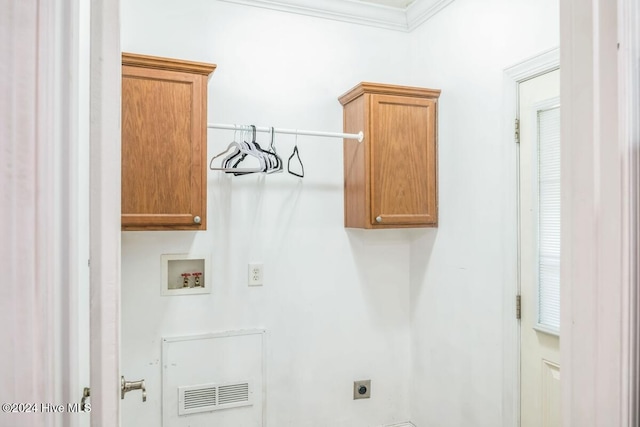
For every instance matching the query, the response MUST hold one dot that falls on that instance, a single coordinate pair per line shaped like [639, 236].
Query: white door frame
[600, 195]
[105, 167]
[540, 64]
[629, 89]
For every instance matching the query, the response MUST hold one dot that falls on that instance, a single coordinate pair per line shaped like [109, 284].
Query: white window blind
[549, 218]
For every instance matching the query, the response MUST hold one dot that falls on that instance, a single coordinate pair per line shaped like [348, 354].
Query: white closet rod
[359, 136]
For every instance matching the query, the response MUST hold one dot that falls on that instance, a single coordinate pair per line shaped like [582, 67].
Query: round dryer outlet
[362, 389]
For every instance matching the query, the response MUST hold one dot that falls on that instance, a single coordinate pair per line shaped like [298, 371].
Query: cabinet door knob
[197, 220]
[378, 219]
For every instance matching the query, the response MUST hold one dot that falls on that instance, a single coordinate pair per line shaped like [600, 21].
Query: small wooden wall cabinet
[391, 177]
[164, 143]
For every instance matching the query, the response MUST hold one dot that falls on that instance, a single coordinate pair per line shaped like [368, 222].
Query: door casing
[104, 215]
[540, 64]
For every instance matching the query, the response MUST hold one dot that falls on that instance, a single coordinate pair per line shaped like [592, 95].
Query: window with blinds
[549, 219]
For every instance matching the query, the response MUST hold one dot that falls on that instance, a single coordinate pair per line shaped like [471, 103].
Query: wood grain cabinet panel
[164, 143]
[391, 176]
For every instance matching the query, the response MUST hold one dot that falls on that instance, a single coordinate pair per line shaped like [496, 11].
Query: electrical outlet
[361, 389]
[255, 274]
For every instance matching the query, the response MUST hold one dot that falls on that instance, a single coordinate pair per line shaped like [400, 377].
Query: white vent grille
[212, 397]
[233, 393]
[200, 398]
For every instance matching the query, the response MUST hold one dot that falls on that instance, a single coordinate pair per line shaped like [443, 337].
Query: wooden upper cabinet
[391, 178]
[164, 143]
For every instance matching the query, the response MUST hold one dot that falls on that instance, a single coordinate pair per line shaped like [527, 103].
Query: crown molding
[357, 12]
[384, 89]
[160, 63]
[420, 11]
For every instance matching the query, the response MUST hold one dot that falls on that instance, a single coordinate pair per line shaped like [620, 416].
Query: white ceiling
[400, 15]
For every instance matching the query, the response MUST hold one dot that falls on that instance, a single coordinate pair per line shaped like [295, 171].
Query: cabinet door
[403, 161]
[163, 149]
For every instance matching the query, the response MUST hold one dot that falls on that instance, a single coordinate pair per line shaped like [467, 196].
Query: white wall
[459, 271]
[335, 302]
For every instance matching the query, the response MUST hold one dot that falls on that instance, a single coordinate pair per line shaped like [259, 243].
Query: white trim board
[104, 216]
[599, 212]
[541, 63]
[357, 12]
[421, 11]
[629, 88]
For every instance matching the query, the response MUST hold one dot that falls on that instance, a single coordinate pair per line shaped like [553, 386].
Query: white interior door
[44, 217]
[539, 111]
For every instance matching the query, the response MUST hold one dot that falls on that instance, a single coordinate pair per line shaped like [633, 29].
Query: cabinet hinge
[517, 131]
[518, 307]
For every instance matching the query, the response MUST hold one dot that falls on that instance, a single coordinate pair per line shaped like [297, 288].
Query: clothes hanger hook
[271, 144]
[295, 154]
